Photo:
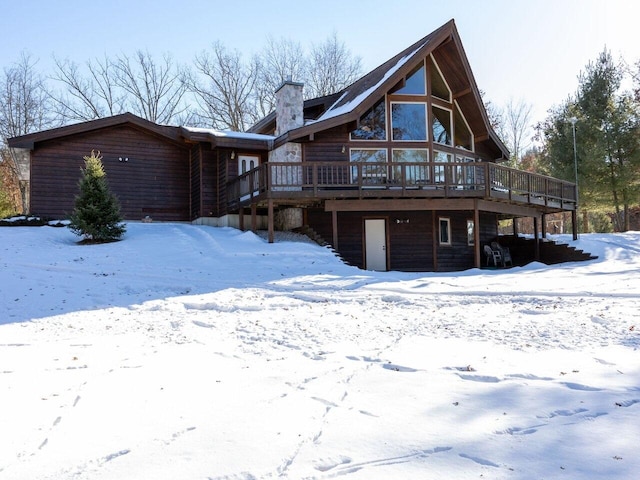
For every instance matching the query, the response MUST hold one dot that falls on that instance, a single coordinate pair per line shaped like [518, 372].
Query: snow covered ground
[191, 352]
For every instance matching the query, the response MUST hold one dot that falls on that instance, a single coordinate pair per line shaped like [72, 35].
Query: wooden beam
[254, 217]
[477, 253]
[536, 242]
[334, 228]
[507, 208]
[574, 224]
[408, 204]
[435, 240]
[270, 219]
[543, 226]
[462, 93]
[241, 219]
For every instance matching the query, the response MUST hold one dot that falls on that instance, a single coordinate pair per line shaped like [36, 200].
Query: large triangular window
[372, 125]
[413, 84]
[439, 87]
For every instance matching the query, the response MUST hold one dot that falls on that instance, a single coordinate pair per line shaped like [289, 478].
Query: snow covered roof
[230, 134]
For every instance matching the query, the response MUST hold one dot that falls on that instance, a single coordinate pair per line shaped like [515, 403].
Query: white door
[248, 185]
[375, 240]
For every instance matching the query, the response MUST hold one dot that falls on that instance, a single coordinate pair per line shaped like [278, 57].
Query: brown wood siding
[196, 181]
[327, 146]
[153, 181]
[410, 244]
[210, 183]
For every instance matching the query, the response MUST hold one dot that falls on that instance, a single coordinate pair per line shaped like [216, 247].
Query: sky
[193, 352]
[518, 50]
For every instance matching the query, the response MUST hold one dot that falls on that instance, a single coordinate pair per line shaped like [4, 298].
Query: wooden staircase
[316, 237]
[551, 253]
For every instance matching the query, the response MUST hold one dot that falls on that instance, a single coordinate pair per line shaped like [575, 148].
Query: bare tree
[155, 90]
[224, 88]
[517, 128]
[280, 60]
[24, 108]
[331, 68]
[88, 97]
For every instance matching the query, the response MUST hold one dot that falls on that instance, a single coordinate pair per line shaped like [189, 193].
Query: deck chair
[505, 254]
[492, 255]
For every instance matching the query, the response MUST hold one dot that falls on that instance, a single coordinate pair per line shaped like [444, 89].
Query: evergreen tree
[97, 212]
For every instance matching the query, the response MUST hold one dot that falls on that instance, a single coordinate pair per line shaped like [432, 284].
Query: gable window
[471, 234]
[414, 169]
[441, 125]
[444, 231]
[414, 84]
[464, 137]
[439, 87]
[372, 125]
[409, 121]
[369, 165]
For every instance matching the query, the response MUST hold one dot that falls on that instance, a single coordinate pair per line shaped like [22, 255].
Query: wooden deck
[305, 183]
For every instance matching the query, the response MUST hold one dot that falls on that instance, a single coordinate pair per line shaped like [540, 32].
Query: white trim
[446, 220]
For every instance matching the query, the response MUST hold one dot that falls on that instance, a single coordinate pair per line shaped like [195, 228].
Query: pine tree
[97, 212]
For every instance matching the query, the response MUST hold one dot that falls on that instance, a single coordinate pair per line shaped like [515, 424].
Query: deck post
[254, 217]
[241, 219]
[334, 227]
[476, 235]
[270, 218]
[544, 225]
[574, 224]
[536, 242]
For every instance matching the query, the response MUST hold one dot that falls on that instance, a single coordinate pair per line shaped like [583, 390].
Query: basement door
[375, 241]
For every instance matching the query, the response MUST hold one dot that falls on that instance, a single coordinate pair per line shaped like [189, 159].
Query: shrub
[96, 215]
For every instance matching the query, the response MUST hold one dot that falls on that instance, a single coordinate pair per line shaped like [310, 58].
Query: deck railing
[322, 180]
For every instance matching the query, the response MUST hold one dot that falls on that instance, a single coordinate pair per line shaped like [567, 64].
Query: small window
[372, 124]
[471, 234]
[445, 231]
[409, 121]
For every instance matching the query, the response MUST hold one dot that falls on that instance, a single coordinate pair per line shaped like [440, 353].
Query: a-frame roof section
[28, 141]
[361, 95]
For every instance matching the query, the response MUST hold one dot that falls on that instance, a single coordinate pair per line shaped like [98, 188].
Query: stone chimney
[289, 107]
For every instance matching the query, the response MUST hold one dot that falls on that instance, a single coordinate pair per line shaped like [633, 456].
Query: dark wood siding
[148, 174]
[410, 237]
[196, 181]
[211, 185]
[327, 146]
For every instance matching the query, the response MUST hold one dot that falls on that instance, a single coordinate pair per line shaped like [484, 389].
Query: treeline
[595, 135]
[219, 89]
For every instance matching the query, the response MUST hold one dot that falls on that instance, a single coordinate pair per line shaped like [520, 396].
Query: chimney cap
[289, 82]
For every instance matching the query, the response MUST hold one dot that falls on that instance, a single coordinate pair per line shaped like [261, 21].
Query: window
[466, 175]
[414, 169]
[445, 231]
[464, 137]
[414, 84]
[439, 171]
[372, 124]
[439, 87]
[471, 234]
[409, 121]
[371, 165]
[441, 125]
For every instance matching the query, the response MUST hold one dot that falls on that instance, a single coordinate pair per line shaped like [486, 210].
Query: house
[399, 171]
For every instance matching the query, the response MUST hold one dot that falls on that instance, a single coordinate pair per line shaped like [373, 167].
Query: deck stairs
[523, 251]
